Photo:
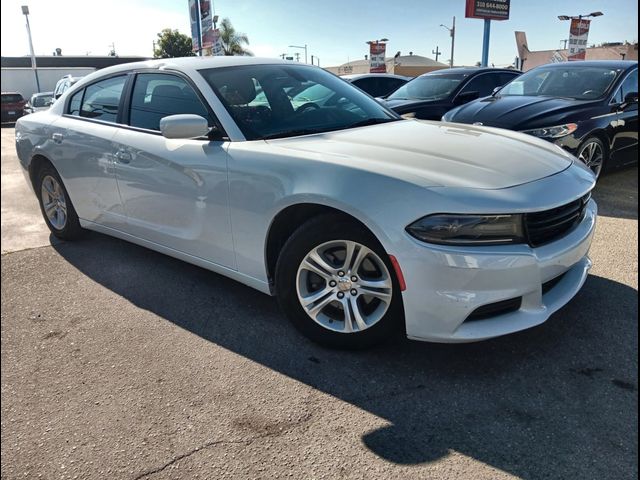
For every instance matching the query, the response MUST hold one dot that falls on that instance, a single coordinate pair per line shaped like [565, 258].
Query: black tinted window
[74, 103]
[101, 99]
[483, 84]
[11, 98]
[156, 96]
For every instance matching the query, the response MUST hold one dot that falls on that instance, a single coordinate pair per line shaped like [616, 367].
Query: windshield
[274, 101]
[41, 100]
[580, 83]
[429, 87]
[11, 98]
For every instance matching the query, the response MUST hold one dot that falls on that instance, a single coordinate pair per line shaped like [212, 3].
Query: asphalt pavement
[119, 362]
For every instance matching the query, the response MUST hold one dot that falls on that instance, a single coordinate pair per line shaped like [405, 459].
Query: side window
[74, 103]
[369, 85]
[504, 78]
[101, 100]
[392, 84]
[483, 84]
[629, 85]
[157, 95]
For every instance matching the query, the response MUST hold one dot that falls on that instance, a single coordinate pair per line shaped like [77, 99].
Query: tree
[172, 43]
[233, 42]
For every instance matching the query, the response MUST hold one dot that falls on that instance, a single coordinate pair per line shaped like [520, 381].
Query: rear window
[11, 98]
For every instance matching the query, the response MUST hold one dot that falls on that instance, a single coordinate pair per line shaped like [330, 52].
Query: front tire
[55, 204]
[593, 154]
[336, 284]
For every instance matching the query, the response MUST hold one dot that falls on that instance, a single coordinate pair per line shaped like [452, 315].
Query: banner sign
[217, 49]
[206, 23]
[578, 35]
[194, 15]
[488, 9]
[377, 52]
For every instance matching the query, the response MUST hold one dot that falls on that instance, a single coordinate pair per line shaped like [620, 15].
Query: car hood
[435, 154]
[520, 112]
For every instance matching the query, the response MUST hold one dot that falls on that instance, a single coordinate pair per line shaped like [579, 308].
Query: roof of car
[11, 93]
[42, 94]
[357, 76]
[468, 70]
[593, 63]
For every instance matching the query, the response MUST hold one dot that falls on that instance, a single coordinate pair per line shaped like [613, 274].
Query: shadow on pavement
[617, 194]
[557, 401]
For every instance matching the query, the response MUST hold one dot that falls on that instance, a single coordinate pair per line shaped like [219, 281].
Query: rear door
[174, 192]
[81, 149]
[625, 138]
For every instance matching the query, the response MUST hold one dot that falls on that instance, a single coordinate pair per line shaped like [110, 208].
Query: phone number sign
[488, 9]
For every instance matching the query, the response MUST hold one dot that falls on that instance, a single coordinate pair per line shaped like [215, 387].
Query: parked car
[377, 84]
[63, 85]
[430, 96]
[12, 106]
[589, 108]
[39, 101]
[359, 221]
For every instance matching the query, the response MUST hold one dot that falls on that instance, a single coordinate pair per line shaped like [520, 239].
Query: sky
[335, 31]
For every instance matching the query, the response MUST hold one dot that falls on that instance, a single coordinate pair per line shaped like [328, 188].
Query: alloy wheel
[592, 155]
[54, 202]
[344, 286]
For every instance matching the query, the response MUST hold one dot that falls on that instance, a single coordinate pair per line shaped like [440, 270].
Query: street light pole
[452, 33]
[25, 11]
[302, 48]
[579, 18]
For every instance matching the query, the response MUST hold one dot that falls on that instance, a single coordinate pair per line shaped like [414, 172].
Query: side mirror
[496, 90]
[184, 126]
[466, 97]
[631, 97]
[48, 103]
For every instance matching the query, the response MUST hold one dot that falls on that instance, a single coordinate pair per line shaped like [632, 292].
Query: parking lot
[119, 362]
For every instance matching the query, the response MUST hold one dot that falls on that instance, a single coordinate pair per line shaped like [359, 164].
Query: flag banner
[376, 54]
[206, 23]
[194, 15]
[578, 35]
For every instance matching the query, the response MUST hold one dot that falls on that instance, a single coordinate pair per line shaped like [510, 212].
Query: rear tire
[336, 284]
[56, 207]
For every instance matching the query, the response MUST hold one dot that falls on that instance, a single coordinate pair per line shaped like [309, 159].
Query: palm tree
[233, 42]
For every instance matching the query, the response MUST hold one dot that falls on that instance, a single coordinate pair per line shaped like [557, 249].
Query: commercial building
[607, 51]
[409, 65]
[18, 76]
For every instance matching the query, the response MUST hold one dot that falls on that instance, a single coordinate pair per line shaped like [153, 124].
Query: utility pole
[452, 34]
[25, 12]
[301, 48]
[436, 52]
[565, 40]
[297, 57]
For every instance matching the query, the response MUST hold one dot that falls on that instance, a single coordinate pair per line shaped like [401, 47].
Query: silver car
[360, 222]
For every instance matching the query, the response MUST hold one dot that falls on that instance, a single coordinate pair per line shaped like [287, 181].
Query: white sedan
[360, 222]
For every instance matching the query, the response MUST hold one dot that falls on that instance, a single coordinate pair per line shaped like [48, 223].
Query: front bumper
[446, 284]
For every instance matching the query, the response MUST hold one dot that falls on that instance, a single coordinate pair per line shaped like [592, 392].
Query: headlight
[452, 229]
[553, 132]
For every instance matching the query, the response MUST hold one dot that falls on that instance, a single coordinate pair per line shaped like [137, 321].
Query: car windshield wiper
[296, 133]
[370, 121]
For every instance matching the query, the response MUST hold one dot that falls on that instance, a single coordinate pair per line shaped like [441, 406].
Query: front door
[174, 192]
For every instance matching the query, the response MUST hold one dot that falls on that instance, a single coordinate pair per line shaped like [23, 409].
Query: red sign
[488, 9]
[578, 35]
[377, 52]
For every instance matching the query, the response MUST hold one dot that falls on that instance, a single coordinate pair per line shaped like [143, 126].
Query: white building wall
[23, 80]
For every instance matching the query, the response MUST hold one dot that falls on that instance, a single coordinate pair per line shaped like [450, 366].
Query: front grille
[547, 226]
[495, 309]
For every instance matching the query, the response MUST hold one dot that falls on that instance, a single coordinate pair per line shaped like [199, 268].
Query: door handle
[122, 156]
[57, 138]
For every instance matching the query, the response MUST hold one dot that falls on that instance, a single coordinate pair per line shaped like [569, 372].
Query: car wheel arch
[36, 163]
[288, 220]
